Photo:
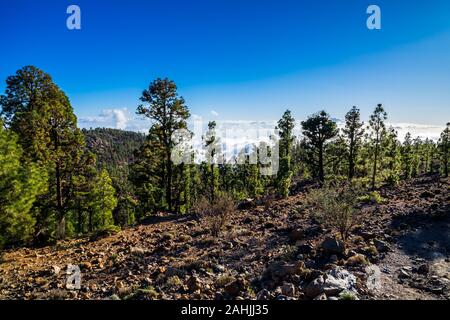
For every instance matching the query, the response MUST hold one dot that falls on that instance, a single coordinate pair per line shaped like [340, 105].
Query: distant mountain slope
[114, 148]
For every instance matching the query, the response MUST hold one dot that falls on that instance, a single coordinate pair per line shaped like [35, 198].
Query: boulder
[332, 283]
[333, 246]
[314, 288]
[338, 280]
[279, 270]
[381, 246]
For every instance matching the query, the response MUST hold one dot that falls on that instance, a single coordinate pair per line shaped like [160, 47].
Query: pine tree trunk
[375, 165]
[61, 228]
[351, 164]
[321, 170]
[169, 183]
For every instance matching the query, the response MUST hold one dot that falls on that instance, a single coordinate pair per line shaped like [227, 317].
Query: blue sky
[238, 59]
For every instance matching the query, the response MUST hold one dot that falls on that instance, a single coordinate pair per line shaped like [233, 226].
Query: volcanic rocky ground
[399, 249]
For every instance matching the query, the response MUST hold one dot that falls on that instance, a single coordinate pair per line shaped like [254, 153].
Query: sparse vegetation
[215, 214]
[335, 207]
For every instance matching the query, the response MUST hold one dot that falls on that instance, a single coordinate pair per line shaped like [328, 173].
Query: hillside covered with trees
[62, 187]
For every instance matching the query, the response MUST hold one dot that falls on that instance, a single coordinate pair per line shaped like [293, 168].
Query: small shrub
[335, 207]
[174, 281]
[371, 251]
[357, 259]
[346, 295]
[215, 214]
[224, 279]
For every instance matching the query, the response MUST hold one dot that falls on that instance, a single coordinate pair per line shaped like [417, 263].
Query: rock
[321, 296]
[423, 269]
[264, 294]
[56, 270]
[86, 266]
[334, 258]
[314, 288]
[296, 235]
[194, 284]
[381, 246]
[403, 274]
[333, 246]
[338, 280]
[288, 289]
[280, 270]
[235, 287]
[219, 268]
[246, 204]
[137, 251]
[332, 283]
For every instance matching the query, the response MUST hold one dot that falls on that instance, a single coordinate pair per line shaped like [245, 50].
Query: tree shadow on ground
[167, 217]
[425, 236]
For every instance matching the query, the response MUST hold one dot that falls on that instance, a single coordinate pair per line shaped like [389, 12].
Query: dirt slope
[270, 251]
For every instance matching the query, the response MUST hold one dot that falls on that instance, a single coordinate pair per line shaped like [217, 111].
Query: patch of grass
[224, 279]
[357, 259]
[148, 293]
[372, 251]
[288, 252]
[346, 295]
[174, 281]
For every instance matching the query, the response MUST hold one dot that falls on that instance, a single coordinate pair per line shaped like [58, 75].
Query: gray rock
[332, 283]
[338, 280]
[314, 288]
[288, 289]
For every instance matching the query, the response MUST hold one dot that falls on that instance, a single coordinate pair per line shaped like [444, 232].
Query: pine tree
[444, 147]
[169, 113]
[40, 113]
[377, 127]
[213, 153]
[407, 157]
[20, 184]
[392, 157]
[317, 130]
[102, 202]
[353, 132]
[285, 126]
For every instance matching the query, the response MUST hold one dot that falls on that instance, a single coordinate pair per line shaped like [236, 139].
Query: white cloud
[108, 118]
[214, 113]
